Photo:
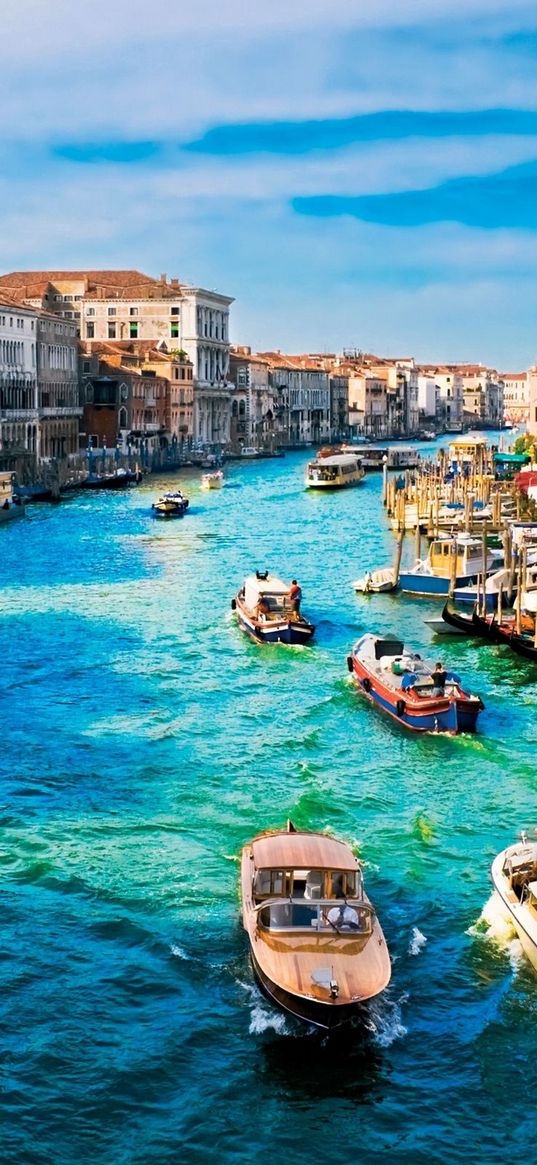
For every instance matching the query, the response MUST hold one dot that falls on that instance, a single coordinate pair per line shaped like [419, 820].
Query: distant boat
[400, 683]
[171, 505]
[316, 944]
[250, 451]
[265, 611]
[376, 581]
[494, 630]
[334, 472]
[214, 480]
[514, 877]
[11, 506]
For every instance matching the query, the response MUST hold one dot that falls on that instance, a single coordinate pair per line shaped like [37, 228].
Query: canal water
[144, 741]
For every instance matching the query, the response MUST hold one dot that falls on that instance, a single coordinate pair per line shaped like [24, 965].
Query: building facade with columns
[516, 404]
[19, 415]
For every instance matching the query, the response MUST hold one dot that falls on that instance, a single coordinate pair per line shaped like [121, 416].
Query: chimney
[163, 277]
[174, 283]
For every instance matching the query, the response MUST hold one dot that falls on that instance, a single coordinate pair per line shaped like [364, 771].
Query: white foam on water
[385, 1021]
[263, 1017]
[178, 952]
[516, 954]
[417, 941]
[494, 922]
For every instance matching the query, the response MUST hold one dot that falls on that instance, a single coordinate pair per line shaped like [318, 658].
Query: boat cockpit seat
[264, 886]
[314, 885]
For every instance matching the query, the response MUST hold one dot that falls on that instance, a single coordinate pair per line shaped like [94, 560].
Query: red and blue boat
[402, 684]
[266, 613]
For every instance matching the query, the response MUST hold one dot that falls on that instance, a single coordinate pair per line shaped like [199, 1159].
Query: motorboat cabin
[334, 472]
[432, 575]
[316, 945]
[514, 877]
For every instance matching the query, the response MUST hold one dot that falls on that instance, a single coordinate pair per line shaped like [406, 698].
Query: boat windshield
[346, 917]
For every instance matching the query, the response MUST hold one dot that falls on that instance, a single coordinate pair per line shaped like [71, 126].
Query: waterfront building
[302, 397]
[59, 405]
[255, 417]
[516, 404]
[367, 403]
[19, 414]
[428, 398]
[108, 306]
[482, 394]
[450, 397]
[135, 392]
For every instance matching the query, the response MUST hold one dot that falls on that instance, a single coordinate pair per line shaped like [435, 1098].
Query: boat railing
[350, 916]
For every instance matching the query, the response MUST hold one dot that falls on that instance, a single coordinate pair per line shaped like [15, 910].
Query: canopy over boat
[268, 585]
[302, 850]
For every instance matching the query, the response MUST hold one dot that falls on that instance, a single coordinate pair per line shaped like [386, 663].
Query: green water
[145, 740]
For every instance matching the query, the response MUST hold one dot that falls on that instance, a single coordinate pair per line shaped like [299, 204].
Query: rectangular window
[111, 331]
[90, 331]
[111, 311]
[174, 331]
[86, 366]
[67, 299]
[133, 311]
[174, 311]
[133, 331]
[90, 311]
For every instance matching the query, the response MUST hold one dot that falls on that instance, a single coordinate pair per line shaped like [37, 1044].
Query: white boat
[214, 480]
[376, 581]
[266, 612]
[11, 506]
[432, 575]
[334, 472]
[514, 877]
[249, 451]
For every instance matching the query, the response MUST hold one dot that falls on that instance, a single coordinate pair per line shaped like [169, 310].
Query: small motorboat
[377, 581]
[316, 944]
[402, 684]
[433, 575]
[171, 505]
[250, 451]
[514, 877]
[213, 480]
[265, 611]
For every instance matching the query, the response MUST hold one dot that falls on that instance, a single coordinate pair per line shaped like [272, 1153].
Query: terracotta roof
[10, 301]
[120, 284]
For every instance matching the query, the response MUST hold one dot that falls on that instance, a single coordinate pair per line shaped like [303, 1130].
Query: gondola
[487, 627]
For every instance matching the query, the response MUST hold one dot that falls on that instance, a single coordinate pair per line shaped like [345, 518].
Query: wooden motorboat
[377, 581]
[334, 472]
[316, 944]
[213, 480]
[171, 505]
[514, 877]
[266, 613]
[402, 684]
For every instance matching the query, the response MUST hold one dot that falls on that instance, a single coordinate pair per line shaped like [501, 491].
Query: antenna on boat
[334, 986]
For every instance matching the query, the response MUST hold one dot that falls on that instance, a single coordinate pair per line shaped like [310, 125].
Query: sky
[356, 174]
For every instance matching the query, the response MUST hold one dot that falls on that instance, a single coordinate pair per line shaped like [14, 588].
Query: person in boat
[262, 608]
[439, 677]
[343, 917]
[294, 595]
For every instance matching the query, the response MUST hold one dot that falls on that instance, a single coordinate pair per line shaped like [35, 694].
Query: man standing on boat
[295, 597]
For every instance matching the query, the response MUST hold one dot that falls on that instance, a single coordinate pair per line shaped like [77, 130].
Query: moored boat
[267, 612]
[171, 505]
[11, 506]
[401, 683]
[435, 574]
[213, 480]
[316, 944]
[377, 581]
[514, 877]
[334, 471]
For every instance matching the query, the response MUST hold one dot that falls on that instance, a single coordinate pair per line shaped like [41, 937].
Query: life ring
[233, 604]
[350, 664]
[401, 708]
[366, 684]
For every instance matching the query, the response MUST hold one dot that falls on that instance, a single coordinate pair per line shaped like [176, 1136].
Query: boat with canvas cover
[514, 877]
[401, 683]
[316, 944]
[265, 611]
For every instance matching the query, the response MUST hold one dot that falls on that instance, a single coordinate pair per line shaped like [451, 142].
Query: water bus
[316, 944]
[402, 684]
[334, 472]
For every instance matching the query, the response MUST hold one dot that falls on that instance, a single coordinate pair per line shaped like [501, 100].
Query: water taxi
[402, 684]
[514, 877]
[334, 472]
[11, 506]
[214, 480]
[433, 575]
[267, 613]
[171, 505]
[316, 944]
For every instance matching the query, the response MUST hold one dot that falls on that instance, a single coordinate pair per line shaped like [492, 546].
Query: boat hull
[326, 1016]
[430, 584]
[12, 514]
[450, 714]
[518, 913]
[282, 631]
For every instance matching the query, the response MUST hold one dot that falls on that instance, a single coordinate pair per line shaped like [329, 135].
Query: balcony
[19, 415]
[64, 411]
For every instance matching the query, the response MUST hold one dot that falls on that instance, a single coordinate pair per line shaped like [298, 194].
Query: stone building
[255, 416]
[135, 392]
[108, 306]
[58, 387]
[19, 414]
[516, 403]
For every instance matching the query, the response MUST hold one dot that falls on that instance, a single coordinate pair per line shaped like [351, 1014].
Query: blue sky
[354, 174]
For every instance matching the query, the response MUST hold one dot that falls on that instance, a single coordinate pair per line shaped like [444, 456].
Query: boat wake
[263, 1017]
[495, 925]
[417, 941]
[384, 1020]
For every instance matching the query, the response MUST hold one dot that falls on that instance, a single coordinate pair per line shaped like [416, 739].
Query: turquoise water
[145, 740]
